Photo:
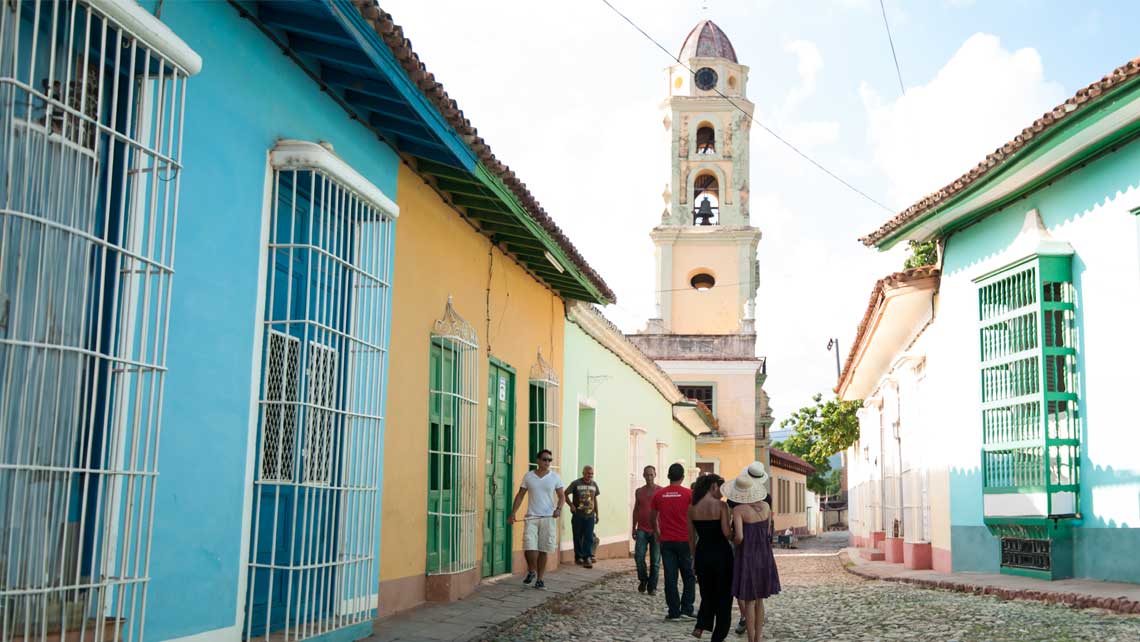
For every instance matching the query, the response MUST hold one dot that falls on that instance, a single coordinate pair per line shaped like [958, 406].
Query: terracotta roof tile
[898, 278]
[789, 461]
[401, 47]
[1080, 101]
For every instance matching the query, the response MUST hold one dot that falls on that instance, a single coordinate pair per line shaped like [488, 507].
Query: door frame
[487, 567]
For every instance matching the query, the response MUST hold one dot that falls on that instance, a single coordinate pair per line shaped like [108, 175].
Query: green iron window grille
[1030, 422]
[452, 418]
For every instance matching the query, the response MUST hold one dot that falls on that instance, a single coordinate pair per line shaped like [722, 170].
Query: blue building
[251, 149]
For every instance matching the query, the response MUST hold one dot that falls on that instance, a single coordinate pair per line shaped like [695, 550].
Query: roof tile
[401, 47]
[1080, 101]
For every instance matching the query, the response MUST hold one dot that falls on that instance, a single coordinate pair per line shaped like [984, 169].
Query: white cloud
[982, 97]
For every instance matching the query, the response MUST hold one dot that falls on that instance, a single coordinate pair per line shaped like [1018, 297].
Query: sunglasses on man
[545, 459]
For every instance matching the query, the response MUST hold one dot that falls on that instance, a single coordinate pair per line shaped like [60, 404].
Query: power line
[772, 133]
[902, 88]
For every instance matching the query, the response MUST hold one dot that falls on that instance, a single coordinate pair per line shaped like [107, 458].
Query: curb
[491, 631]
[1120, 605]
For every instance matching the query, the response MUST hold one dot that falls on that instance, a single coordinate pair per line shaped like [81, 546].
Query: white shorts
[541, 534]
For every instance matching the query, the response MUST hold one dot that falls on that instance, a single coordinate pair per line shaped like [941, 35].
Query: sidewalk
[492, 604]
[1078, 593]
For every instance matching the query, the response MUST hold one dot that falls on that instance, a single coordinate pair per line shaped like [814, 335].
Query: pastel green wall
[1091, 209]
[621, 399]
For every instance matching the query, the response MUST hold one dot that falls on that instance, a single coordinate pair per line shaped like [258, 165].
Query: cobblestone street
[821, 601]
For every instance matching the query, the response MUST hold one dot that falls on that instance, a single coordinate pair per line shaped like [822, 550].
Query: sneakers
[540, 585]
[688, 616]
[578, 561]
[529, 577]
[741, 627]
[587, 564]
[673, 618]
[641, 587]
[651, 592]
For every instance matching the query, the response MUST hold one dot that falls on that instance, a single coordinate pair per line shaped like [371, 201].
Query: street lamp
[834, 343]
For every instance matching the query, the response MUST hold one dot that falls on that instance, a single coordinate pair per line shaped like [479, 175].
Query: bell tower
[704, 333]
[705, 246]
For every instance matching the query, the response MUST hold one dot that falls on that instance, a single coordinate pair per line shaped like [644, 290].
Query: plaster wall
[441, 255]
[1091, 209]
[247, 96]
[734, 397]
[628, 411]
[792, 518]
[714, 311]
[732, 454]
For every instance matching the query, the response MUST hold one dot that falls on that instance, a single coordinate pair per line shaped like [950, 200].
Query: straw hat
[756, 471]
[746, 489]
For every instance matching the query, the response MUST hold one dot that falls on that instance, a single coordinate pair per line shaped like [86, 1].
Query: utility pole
[834, 344]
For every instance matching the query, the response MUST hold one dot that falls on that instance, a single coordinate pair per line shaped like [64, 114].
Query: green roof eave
[1064, 131]
[520, 215]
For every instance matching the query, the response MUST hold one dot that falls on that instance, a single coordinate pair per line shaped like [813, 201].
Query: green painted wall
[593, 377]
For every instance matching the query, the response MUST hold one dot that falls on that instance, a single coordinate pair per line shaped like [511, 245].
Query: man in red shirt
[643, 537]
[669, 515]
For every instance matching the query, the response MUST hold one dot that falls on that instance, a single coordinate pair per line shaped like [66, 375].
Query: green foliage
[925, 253]
[818, 432]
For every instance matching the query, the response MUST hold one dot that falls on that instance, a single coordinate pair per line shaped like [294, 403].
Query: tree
[818, 432]
[925, 253]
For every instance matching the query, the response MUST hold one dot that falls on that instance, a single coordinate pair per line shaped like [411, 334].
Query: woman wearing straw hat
[754, 575]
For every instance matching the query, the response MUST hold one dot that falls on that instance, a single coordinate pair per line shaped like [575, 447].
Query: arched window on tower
[706, 139]
[706, 200]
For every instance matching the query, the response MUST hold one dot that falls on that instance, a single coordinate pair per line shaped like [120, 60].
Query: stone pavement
[492, 604]
[1113, 596]
[821, 602]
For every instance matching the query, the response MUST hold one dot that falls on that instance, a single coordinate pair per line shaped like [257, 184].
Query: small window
[706, 140]
[703, 394]
[702, 282]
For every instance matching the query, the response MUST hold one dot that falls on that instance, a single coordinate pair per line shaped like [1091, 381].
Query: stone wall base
[401, 594]
[449, 588]
[893, 550]
[917, 556]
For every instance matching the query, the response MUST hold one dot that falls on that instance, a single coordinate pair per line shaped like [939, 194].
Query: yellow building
[480, 282]
[787, 491]
[704, 334]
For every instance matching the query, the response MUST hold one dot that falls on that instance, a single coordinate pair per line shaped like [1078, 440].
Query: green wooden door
[498, 494]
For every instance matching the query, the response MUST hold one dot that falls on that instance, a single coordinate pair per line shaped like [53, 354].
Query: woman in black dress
[712, 557]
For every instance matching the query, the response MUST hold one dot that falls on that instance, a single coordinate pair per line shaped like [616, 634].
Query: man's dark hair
[649, 467]
[676, 472]
[543, 452]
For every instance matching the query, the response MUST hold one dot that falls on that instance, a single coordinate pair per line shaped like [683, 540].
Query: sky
[568, 94]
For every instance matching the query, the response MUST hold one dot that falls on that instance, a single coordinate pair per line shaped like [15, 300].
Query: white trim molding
[151, 31]
[299, 154]
[695, 367]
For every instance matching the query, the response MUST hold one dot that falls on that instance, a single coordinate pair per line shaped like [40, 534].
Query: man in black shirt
[582, 497]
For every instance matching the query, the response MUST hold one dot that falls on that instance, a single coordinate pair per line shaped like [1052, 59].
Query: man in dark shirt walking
[582, 497]
[670, 517]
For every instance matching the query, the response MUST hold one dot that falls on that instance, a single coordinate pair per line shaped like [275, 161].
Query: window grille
[90, 149]
[452, 441]
[1029, 403]
[703, 394]
[544, 412]
[313, 566]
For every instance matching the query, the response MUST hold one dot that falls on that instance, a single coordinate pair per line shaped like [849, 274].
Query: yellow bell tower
[704, 334]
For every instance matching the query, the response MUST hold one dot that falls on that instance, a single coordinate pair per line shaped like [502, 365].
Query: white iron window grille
[452, 439]
[544, 411]
[313, 566]
[91, 106]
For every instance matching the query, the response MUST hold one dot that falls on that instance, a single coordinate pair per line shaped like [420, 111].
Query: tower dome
[707, 40]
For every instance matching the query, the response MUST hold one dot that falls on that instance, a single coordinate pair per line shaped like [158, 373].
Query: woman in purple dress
[754, 575]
